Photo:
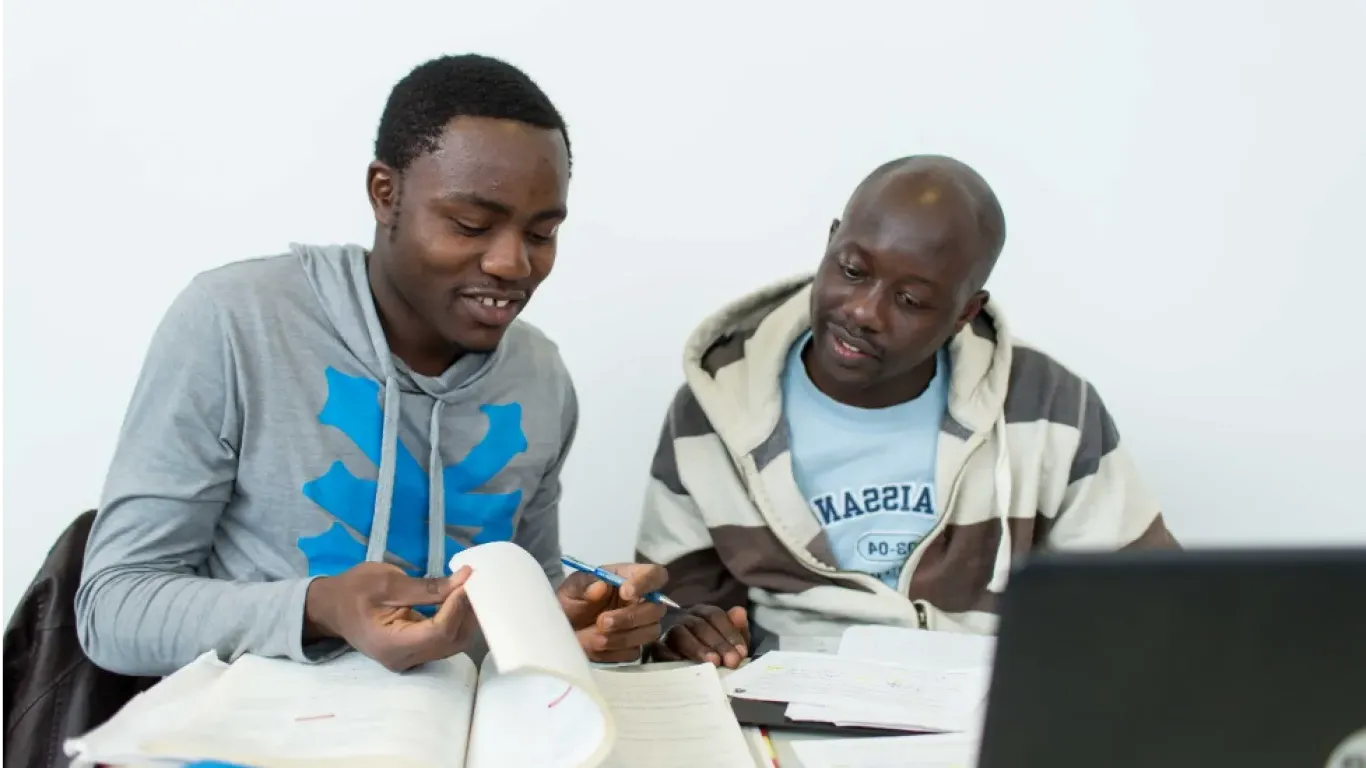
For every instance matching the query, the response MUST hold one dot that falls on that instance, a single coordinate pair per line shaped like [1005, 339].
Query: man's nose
[864, 309]
[507, 258]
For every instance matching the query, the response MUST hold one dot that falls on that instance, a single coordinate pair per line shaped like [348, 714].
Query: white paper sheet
[913, 698]
[675, 718]
[942, 651]
[917, 647]
[810, 643]
[930, 751]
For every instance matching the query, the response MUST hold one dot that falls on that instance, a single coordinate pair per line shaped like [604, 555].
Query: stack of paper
[838, 689]
[930, 751]
[881, 677]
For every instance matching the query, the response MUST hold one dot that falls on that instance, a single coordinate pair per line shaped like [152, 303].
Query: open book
[535, 702]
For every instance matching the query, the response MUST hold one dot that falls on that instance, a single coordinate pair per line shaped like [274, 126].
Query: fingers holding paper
[614, 623]
[707, 633]
[372, 607]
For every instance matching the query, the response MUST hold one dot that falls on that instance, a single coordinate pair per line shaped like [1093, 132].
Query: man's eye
[850, 271]
[910, 301]
[467, 229]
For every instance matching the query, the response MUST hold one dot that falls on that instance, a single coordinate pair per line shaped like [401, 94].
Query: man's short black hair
[470, 85]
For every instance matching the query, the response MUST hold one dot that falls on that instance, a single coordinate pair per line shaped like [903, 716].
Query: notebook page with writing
[925, 649]
[538, 704]
[675, 718]
[349, 711]
[913, 698]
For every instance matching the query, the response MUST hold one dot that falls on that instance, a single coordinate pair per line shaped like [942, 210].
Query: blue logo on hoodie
[353, 406]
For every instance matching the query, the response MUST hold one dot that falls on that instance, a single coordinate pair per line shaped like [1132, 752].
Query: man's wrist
[317, 625]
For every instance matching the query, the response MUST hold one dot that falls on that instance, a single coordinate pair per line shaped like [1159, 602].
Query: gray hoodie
[272, 438]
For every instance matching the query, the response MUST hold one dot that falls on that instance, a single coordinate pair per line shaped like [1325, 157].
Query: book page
[347, 711]
[931, 751]
[118, 741]
[675, 718]
[538, 704]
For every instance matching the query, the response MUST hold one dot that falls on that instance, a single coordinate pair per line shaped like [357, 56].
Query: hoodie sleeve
[1105, 504]
[143, 606]
[538, 532]
[673, 532]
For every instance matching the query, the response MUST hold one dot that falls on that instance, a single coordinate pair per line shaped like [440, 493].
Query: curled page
[537, 703]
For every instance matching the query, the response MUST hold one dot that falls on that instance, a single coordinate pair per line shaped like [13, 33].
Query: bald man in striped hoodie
[872, 444]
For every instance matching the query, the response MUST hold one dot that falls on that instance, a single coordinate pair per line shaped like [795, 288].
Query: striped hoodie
[1028, 454]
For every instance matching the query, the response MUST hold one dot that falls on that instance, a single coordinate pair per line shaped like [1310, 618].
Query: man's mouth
[492, 307]
[848, 347]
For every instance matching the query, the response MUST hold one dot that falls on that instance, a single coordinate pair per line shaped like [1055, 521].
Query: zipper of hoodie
[977, 440]
[755, 489]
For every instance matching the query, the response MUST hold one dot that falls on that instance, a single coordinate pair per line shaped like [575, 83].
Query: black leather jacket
[53, 692]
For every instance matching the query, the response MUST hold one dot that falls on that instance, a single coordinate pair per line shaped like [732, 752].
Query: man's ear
[382, 188]
[834, 225]
[971, 310]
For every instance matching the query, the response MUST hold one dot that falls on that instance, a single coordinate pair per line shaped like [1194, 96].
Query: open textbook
[535, 702]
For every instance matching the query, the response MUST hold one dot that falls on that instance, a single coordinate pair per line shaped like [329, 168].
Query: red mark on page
[559, 698]
[312, 717]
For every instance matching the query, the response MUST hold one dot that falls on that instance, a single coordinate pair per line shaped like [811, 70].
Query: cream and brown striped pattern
[724, 514]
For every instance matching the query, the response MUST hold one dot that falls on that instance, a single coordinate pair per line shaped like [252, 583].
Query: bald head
[902, 273]
[963, 198]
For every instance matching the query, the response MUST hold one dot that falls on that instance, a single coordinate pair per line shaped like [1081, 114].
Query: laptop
[1240, 658]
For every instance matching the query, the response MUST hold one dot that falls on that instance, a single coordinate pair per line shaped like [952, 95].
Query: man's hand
[707, 633]
[371, 606]
[614, 624]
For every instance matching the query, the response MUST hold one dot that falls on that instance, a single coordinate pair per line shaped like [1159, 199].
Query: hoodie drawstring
[436, 500]
[384, 492]
[1001, 570]
[388, 460]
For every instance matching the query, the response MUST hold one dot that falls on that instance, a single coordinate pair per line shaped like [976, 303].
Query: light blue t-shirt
[867, 473]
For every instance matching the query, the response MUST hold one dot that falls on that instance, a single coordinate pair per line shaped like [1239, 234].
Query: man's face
[472, 226]
[896, 283]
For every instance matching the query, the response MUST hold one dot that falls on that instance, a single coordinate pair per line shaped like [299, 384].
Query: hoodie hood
[339, 278]
[734, 361]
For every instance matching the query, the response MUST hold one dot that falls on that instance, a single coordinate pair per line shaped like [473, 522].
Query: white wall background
[1184, 184]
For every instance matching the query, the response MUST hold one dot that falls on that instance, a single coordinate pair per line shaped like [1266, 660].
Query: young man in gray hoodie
[314, 434]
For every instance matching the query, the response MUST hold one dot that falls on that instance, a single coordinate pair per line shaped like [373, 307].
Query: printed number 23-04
[885, 547]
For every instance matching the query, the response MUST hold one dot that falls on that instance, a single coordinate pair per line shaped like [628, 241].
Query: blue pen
[614, 580]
